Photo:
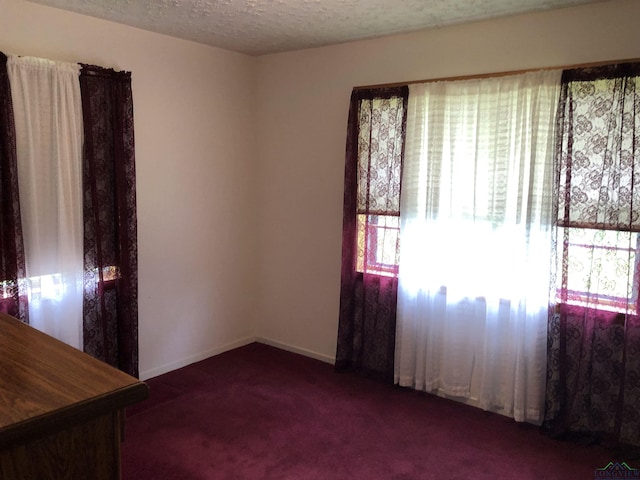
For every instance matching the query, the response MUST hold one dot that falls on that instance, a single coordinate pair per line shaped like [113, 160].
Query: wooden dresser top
[46, 385]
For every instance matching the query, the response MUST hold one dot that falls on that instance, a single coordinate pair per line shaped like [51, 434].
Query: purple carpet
[261, 413]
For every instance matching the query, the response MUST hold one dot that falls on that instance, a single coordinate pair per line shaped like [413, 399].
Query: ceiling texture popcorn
[258, 27]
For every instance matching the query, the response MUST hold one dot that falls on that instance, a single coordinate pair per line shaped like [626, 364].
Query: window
[378, 238]
[598, 162]
[380, 143]
[77, 279]
[601, 268]
[370, 231]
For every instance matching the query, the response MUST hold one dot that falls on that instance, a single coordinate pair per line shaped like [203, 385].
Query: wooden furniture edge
[73, 415]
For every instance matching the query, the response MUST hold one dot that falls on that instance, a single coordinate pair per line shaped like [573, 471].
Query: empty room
[304, 239]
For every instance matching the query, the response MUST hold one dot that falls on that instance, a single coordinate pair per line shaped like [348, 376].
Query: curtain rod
[497, 74]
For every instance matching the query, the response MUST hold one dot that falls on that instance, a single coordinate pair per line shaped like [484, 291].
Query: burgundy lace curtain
[110, 225]
[593, 373]
[12, 266]
[369, 284]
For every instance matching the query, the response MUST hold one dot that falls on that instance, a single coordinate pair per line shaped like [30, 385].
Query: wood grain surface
[60, 409]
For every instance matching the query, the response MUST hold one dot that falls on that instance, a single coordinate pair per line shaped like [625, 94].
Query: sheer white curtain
[476, 217]
[48, 119]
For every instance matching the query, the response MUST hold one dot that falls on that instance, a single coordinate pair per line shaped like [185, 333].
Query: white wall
[195, 149]
[302, 119]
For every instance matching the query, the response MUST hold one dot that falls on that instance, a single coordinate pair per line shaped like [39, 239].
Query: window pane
[600, 159]
[380, 139]
[600, 268]
[378, 237]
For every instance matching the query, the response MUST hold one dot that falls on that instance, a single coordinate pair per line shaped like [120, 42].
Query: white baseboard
[154, 372]
[298, 350]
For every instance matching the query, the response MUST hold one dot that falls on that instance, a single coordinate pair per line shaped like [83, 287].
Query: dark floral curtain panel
[12, 265]
[110, 223]
[369, 283]
[593, 377]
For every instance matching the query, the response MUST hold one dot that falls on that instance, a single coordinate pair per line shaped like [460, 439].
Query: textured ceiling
[257, 27]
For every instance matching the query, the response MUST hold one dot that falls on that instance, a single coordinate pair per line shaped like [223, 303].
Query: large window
[597, 243]
[476, 240]
[518, 196]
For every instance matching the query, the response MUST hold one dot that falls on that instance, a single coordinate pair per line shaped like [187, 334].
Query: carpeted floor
[261, 413]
